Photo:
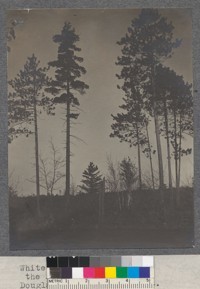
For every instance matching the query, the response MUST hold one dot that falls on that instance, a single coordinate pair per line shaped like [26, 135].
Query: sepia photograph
[100, 128]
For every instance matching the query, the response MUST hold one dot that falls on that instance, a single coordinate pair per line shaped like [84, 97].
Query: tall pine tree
[23, 103]
[68, 71]
[131, 125]
[128, 126]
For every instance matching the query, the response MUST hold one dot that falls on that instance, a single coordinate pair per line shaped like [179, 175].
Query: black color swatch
[84, 262]
[73, 261]
[52, 262]
[63, 261]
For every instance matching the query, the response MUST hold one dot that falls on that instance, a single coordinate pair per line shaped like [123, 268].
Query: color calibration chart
[103, 272]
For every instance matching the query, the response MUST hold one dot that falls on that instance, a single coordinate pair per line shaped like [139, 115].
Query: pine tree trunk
[168, 146]
[37, 159]
[175, 150]
[157, 132]
[138, 147]
[179, 152]
[159, 150]
[67, 191]
[179, 163]
[139, 157]
[150, 156]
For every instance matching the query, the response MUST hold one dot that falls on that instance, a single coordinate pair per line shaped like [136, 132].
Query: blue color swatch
[144, 272]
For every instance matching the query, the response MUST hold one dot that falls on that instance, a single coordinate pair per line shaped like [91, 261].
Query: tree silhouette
[185, 124]
[128, 173]
[23, 105]
[148, 149]
[176, 108]
[66, 83]
[129, 176]
[132, 125]
[128, 126]
[92, 180]
[149, 41]
[181, 121]
[165, 80]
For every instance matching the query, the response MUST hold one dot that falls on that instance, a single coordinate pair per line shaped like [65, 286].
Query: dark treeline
[153, 96]
[85, 212]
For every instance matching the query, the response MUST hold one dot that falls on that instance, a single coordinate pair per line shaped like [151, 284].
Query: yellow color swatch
[110, 272]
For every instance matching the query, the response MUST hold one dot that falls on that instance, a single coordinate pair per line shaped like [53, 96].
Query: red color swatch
[100, 272]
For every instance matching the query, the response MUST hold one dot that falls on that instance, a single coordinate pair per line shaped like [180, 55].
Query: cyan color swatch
[133, 272]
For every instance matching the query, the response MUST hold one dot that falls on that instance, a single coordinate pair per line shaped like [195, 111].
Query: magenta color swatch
[89, 272]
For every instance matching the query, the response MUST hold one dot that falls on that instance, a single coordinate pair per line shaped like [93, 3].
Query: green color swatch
[121, 272]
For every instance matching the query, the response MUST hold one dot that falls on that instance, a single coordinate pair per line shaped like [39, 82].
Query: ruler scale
[119, 272]
[76, 284]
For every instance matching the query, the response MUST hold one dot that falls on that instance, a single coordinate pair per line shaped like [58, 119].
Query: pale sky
[99, 30]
